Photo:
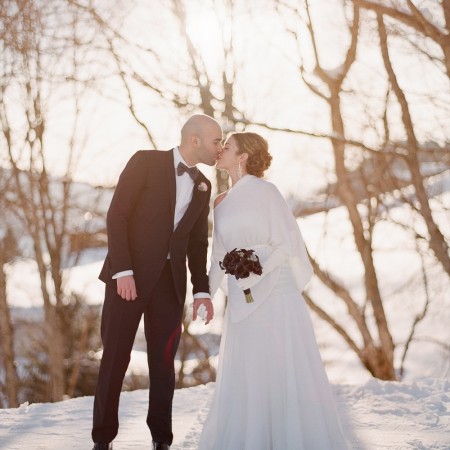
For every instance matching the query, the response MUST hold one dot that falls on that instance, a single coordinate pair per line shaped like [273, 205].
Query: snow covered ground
[413, 414]
[376, 415]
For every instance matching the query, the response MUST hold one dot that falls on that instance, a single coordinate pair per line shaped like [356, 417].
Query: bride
[272, 392]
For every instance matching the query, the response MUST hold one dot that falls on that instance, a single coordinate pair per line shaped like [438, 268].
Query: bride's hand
[249, 282]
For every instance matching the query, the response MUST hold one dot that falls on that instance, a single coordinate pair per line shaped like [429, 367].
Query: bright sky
[267, 87]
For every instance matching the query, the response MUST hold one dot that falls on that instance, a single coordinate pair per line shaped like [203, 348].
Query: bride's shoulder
[268, 190]
[219, 198]
[265, 185]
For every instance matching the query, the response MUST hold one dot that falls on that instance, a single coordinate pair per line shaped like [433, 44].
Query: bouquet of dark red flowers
[241, 263]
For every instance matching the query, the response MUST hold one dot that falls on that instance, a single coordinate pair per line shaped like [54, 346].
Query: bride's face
[228, 158]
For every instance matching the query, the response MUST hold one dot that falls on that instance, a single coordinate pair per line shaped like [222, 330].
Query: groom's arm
[129, 187]
[197, 259]
[197, 251]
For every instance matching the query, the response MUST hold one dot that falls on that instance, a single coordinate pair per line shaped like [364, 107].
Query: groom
[158, 218]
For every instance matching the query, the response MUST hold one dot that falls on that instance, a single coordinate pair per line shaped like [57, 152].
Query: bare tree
[376, 353]
[421, 21]
[43, 47]
[9, 386]
[365, 189]
[155, 70]
[353, 189]
[8, 251]
[418, 21]
[369, 188]
[201, 89]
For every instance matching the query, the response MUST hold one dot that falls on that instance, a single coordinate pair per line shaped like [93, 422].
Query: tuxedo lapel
[172, 182]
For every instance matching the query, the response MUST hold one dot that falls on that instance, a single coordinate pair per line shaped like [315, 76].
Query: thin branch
[437, 241]
[331, 137]
[327, 318]
[345, 295]
[419, 317]
[433, 340]
[317, 66]
[408, 19]
[131, 105]
[351, 53]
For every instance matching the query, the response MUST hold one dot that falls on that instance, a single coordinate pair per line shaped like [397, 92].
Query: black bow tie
[192, 171]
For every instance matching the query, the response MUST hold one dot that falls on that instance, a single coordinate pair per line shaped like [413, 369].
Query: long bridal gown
[271, 392]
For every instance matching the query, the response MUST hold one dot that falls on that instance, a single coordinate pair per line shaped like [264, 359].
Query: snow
[376, 415]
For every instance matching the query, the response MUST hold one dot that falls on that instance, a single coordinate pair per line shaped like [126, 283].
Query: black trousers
[120, 320]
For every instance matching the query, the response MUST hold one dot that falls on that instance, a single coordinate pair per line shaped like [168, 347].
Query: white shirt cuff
[122, 274]
[202, 295]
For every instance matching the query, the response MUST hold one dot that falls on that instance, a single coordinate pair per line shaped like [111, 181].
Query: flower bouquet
[241, 263]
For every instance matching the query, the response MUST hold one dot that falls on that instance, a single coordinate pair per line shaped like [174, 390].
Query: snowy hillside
[376, 416]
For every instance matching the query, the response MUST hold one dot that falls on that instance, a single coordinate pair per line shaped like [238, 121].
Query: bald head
[201, 138]
[197, 125]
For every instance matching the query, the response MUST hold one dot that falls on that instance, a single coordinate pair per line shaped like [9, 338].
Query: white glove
[249, 282]
[274, 260]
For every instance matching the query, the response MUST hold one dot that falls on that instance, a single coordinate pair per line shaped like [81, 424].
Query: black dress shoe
[103, 446]
[160, 446]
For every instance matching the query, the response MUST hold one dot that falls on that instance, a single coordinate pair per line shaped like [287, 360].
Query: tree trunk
[54, 335]
[81, 348]
[7, 341]
[379, 360]
[437, 241]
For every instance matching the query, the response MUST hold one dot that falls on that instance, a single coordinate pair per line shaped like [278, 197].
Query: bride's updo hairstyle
[257, 148]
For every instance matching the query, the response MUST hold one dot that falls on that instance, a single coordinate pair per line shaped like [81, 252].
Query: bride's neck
[235, 178]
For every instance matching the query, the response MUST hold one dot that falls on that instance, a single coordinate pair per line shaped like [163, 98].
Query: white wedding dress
[272, 392]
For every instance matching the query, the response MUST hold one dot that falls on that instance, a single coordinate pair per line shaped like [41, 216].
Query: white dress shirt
[184, 185]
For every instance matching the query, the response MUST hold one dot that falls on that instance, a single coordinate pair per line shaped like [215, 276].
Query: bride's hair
[257, 148]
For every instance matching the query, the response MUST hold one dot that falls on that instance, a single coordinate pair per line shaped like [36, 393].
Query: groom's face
[209, 145]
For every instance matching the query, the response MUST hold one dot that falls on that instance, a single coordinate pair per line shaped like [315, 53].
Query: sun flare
[204, 31]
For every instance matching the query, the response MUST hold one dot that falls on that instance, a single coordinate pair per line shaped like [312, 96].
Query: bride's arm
[285, 238]
[216, 274]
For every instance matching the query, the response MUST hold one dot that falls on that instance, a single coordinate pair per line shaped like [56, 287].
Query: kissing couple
[271, 392]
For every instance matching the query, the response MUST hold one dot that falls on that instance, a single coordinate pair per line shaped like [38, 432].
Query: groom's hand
[126, 287]
[209, 309]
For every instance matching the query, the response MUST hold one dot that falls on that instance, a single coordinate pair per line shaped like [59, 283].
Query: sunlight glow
[204, 31]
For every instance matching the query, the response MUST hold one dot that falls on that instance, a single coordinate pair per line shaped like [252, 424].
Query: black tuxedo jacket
[140, 226]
